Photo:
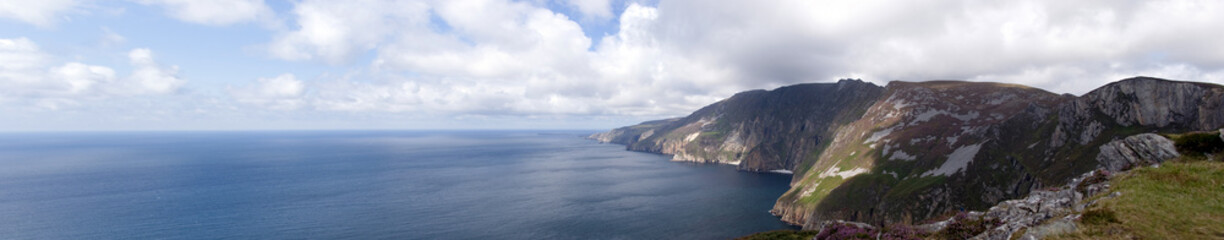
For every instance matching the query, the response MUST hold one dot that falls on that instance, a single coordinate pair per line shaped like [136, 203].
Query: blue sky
[545, 64]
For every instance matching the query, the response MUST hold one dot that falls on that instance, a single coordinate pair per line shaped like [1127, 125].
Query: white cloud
[31, 77]
[81, 78]
[42, 13]
[18, 57]
[492, 39]
[26, 73]
[284, 85]
[337, 31]
[1031, 42]
[215, 12]
[495, 57]
[150, 78]
[282, 92]
[491, 58]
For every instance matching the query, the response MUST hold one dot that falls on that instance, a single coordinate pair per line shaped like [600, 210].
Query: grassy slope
[1178, 200]
[781, 235]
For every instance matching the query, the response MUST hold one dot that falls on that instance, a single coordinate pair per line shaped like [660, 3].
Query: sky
[68, 65]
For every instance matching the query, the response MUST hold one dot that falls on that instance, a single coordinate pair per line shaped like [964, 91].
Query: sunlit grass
[1178, 200]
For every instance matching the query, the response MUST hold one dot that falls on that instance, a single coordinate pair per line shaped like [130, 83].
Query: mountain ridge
[910, 151]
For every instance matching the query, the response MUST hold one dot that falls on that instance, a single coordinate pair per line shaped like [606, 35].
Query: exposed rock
[1160, 103]
[1138, 150]
[1091, 132]
[631, 134]
[1059, 226]
[646, 134]
[1022, 139]
[1035, 211]
[924, 146]
[825, 224]
[1009, 164]
[935, 226]
[1039, 207]
[756, 130]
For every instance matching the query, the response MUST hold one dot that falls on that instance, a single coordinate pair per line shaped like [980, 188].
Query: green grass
[713, 136]
[1178, 200]
[823, 188]
[910, 186]
[1198, 144]
[1099, 216]
[781, 235]
[858, 193]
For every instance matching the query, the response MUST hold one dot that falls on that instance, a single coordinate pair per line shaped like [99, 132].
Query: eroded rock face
[925, 148]
[1138, 150]
[1022, 141]
[1140, 103]
[755, 130]
[1159, 103]
[911, 151]
[631, 134]
[1042, 212]
[1042, 205]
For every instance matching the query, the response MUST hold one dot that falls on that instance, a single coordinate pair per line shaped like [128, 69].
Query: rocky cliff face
[1037, 210]
[755, 130]
[910, 156]
[911, 151]
[1159, 103]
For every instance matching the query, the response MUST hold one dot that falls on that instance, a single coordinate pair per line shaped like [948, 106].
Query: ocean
[367, 185]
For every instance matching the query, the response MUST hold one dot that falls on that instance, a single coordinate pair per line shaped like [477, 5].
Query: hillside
[755, 130]
[1180, 199]
[914, 150]
[1154, 188]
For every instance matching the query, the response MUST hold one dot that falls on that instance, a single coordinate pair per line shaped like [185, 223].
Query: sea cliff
[910, 151]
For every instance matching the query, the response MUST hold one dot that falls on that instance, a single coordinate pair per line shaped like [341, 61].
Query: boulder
[1137, 150]
[1035, 211]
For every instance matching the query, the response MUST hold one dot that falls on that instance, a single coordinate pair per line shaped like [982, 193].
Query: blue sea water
[367, 185]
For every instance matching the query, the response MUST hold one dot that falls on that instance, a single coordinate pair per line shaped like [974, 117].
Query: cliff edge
[911, 151]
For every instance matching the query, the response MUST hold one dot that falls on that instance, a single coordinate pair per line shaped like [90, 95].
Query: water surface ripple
[367, 185]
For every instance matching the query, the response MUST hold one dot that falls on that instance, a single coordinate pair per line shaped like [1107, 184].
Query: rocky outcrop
[914, 147]
[1140, 103]
[755, 130]
[1053, 210]
[1138, 150]
[1036, 213]
[914, 150]
[935, 147]
[1159, 103]
[1040, 206]
[631, 134]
